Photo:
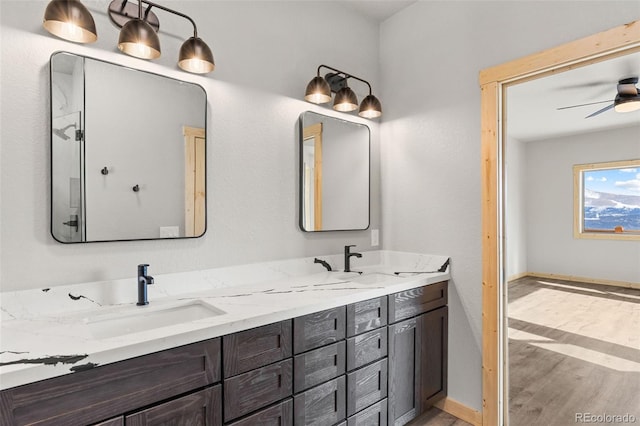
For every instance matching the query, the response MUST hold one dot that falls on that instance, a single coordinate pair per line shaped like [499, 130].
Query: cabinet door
[318, 329]
[318, 366]
[277, 415]
[322, 405]
[404, 371]
[366, 386]
[366, 315]
[118, 421]
[247, 350]
[255, 389]
[434, 356]
[366, 348]
[203, 408]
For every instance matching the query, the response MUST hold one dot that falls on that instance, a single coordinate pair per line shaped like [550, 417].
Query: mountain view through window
[611, 199]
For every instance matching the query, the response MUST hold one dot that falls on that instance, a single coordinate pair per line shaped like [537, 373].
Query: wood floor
[436, 417]
[574, 349]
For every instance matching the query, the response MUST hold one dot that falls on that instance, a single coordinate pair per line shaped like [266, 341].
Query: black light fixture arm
[346, 75]
[166, 9]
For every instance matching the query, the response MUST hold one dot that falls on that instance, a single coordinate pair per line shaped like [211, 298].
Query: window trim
[578, 184]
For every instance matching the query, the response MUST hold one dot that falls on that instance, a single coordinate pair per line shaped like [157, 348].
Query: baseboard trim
[572, 278]
[460, 411]
[517, 276]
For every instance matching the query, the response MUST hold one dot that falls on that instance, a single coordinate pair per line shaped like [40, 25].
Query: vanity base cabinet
[99, 393]
[118, 421]
[202, 408]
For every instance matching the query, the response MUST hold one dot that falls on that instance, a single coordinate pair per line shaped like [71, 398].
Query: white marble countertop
[46, 333]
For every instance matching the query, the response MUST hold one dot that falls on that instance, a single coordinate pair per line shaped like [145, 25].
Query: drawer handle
[335, 400]
[279, 340]
[379, 343]
[335, 323]
[279, 380]
[379, 311]
[335, 359]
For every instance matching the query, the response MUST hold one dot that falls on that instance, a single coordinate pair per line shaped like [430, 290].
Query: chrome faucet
[347, 257]
[143, 281]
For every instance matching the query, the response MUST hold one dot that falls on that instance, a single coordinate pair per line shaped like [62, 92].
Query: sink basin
[137, 319]
[369, 278]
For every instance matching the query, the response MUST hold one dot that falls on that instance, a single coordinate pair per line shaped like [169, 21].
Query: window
[607, 200]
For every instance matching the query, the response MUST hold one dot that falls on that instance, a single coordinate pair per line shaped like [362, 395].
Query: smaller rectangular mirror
[334, 174]
[128, 153]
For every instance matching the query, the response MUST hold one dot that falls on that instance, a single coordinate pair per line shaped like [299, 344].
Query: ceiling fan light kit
[627, 99]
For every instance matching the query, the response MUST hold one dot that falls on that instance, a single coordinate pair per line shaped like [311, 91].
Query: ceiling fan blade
[607, 108]
[581, 105]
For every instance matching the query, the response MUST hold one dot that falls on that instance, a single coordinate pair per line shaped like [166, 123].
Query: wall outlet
[375, 238]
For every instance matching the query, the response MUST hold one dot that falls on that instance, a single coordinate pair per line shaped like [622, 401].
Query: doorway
[615, 42]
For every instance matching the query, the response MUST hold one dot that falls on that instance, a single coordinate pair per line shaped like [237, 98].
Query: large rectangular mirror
[128, 153]
[334, 174]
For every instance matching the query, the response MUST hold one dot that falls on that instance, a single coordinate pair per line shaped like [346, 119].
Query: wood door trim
[618, 41]
[315, 131]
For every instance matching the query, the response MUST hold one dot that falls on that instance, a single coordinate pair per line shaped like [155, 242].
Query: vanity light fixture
[319, 91]
[71, 20]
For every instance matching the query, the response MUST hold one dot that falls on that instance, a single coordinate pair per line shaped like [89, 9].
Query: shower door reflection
[66, 177]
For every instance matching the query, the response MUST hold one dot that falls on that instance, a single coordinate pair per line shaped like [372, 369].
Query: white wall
[550, 244]
[266, 53]
[430, 56]
[516, 212]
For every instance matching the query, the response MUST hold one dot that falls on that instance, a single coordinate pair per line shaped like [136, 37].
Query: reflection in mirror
[334, 174]
[127, 153]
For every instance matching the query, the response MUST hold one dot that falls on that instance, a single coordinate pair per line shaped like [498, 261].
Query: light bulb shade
[370, 107]
[70, 20]
[196, 57]
[627, 104]
[138, 38]
[345, 100]
[318, 91]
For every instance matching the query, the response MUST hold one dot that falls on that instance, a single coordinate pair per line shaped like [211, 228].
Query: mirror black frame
[300, 145]
[51, 168]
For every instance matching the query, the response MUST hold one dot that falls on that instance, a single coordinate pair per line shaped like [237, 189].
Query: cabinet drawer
[410, 303]
[279, 415]
[322, 405]
[318, 329]
[366, 386]
[366, 348]
[94, 395]
[366, 315]
[118, 421]
[251, 391]
[376, 415]
[318, 366]
[201, 408]
[255, 348]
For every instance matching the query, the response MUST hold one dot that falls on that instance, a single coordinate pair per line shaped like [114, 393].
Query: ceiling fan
[627, 99]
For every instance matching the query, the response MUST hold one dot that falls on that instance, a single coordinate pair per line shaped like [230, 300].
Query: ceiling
[378, 10]
[532, 112]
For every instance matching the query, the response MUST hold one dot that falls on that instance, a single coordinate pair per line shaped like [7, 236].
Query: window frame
[578, 203]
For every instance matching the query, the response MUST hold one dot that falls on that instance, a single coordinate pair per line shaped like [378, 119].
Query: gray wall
[430, 56]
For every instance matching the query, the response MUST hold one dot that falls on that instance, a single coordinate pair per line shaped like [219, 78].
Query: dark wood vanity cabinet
[376, 362]
[417, 351]
[107, 392]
